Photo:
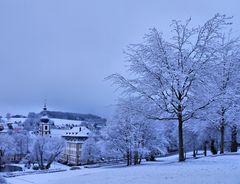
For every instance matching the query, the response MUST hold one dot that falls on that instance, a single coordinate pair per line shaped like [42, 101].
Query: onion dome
[44, 119]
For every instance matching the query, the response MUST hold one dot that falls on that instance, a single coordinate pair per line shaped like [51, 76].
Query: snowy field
[209, 170]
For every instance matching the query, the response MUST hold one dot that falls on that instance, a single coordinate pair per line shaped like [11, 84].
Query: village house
[75, 138]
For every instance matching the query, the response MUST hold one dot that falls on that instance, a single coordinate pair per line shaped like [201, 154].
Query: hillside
[73, 116]
[209, 170]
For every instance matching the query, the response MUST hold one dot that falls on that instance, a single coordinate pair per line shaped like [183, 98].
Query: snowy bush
[2, 180]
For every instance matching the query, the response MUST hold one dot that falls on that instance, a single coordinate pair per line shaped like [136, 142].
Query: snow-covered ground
[209, 170]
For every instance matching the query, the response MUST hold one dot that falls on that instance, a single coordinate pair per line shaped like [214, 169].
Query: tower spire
[45, 105]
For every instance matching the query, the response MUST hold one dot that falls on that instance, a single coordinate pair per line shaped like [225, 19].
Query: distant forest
[73, 116]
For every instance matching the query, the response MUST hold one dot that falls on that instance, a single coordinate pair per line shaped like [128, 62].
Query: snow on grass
[209, 170]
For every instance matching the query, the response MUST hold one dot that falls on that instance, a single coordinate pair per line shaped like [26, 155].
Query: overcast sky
[62, 50]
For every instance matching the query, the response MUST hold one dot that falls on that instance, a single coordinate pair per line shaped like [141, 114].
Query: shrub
[2, 180]
[75, 168]
[35, 167]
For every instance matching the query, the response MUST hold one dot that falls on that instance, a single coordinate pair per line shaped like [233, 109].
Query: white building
[75, 138]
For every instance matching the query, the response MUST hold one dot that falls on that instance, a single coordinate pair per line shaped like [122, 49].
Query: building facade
[75, 138]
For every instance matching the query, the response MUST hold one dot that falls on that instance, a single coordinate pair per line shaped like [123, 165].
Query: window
[46, 127]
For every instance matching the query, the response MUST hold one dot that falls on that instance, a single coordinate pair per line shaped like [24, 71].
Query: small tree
[133, 136]
[91, 151]
[22, 141]
[45, 150]
[31, 123]
[7, 148]
[8, 116]
[192, 137]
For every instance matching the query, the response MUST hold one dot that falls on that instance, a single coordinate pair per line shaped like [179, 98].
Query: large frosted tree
[172, 77]
[224, 111]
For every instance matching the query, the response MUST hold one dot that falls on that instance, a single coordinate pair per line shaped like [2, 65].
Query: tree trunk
[205, 148]
[222, 130]
[135, 157]
[41, 161]
[128, 158]
[50, 161]
[234, 144]
[49, 165]
[213, 149]
[194, 151]
[180, 136]
[140, 159]
[1, 156]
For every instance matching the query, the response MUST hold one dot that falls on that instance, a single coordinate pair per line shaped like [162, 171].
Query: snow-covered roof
[57, 132]
[15, 127]
[5, 130]
[64, 122]
[44, 117]
[77, 132]
[13, 120]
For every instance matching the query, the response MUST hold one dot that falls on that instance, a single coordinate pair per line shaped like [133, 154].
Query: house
[75, 138]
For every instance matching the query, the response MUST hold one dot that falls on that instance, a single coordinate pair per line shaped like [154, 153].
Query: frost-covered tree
[170, 134]
[45, 150]
[31, 123]
[8, 116]
[22, 142]
[132, 136]
[191, 136]
[172, 77]
[119, 139]
[7, 148]
[223, 112]
[91, 151]
[197, 135]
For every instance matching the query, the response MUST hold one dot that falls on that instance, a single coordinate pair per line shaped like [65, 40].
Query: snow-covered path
[210, 170]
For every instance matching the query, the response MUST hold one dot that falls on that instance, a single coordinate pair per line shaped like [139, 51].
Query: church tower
[44, 129]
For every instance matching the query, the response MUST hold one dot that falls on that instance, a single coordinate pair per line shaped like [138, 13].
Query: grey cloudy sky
[62, 49]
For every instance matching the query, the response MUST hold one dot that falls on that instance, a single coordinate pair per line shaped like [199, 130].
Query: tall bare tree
[171, 77]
